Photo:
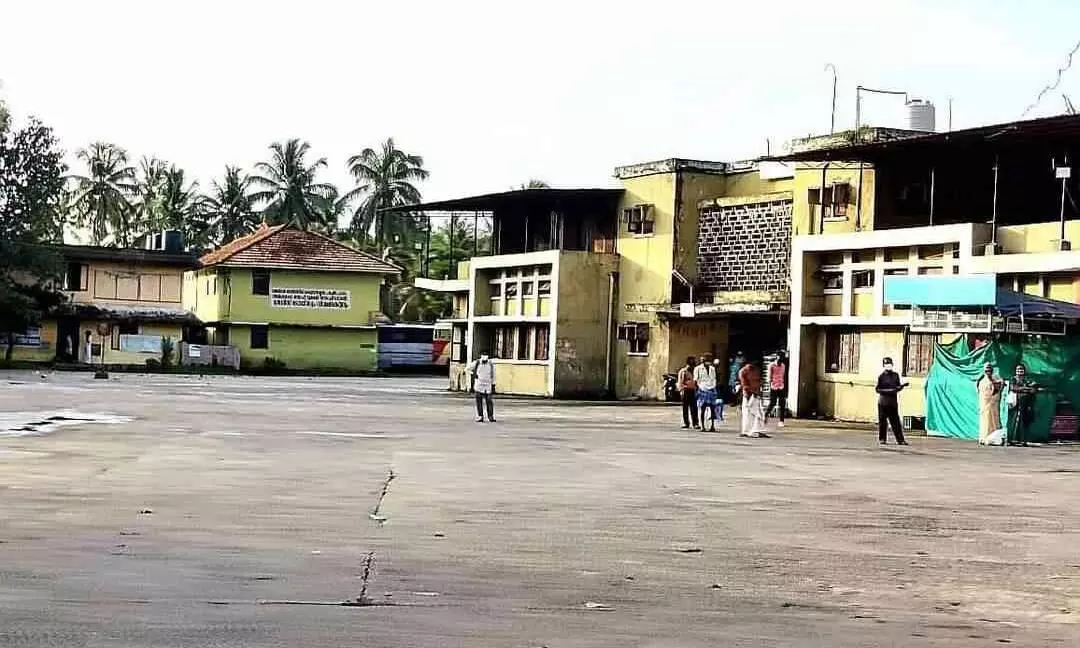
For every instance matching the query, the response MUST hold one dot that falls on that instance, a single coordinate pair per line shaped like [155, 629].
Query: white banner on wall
[140, 343]
[320, 298]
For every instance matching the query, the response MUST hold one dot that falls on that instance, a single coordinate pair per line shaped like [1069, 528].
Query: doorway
[67, 340]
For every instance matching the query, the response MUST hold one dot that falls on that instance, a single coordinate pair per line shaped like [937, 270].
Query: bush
[153, 363]
[167, 350]
[271, 364]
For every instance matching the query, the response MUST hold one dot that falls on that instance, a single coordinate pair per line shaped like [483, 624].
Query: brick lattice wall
[745, 247]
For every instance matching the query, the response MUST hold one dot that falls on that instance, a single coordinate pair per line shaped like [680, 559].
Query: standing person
[705, 377]
[688, 394]
[483, 373]
[777, 387]
[989, 388]
[752, 421]
[888, 407]
[1021, 406]
[721, 399]
[736, 364]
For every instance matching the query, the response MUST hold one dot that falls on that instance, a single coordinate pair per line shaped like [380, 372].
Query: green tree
[148, 185]
[31, 190]
[183, 208]
[103, 195]
[385, 178]
[533, 183]
[229, 207]
[288, 190]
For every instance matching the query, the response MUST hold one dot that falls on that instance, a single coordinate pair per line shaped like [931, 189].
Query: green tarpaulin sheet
[952, 404]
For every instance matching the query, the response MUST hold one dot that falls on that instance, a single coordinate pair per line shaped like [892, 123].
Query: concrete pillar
[795, 327]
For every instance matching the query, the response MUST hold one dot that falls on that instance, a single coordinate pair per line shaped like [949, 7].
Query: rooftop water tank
[921, 116]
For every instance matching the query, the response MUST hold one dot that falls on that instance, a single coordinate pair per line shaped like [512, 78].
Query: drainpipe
[858, 201]
[933, 182]
[821, 197]
[609, 373]
[993, 214]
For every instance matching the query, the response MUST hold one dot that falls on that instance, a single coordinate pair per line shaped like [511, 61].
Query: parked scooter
[671, 388]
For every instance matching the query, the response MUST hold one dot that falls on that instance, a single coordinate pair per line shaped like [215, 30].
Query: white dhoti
[752, 423]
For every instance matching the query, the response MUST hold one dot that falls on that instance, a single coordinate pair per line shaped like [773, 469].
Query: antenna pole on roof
[832, 120]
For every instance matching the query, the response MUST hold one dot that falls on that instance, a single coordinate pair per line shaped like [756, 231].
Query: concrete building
[541, 301]
[608, 280]
[121, 302]
[983, 201]
[291, 295]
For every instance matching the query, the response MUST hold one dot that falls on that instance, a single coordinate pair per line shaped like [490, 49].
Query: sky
[492, 94]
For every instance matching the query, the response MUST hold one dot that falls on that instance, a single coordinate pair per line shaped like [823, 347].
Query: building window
[832, 281]
[636, 335]
[76, 277]
[123, 328]
[919, 353]
[511, 290]
[527, 288]
[639, 219]
[541, 340]
[504, 343]
[260, 337]
[544, 287]
[862, 279]
[495, 290]
[523, 343]
[260, 283]
[841, 350]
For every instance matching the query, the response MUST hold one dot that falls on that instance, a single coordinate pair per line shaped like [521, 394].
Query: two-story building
[120, 303]
[995, 200]
[541, 301]
[300, 298]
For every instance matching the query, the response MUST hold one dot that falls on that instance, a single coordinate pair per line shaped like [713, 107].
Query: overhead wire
[1057, 81]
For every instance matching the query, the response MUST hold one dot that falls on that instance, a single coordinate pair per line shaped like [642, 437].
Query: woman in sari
[989, 387]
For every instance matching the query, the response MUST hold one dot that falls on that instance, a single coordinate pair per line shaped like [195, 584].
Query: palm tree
[287, 187]
[384, 179]
[229, 206]
[102, 196]
[182, 208]
[148, 184]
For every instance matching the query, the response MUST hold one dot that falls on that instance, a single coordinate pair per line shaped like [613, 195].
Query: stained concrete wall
[581, 334]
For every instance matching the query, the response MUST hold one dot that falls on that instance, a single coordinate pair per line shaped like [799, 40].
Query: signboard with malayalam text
[315, 298]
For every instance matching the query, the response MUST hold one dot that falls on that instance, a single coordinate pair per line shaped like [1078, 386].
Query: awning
[125, 312]
[1011, 303]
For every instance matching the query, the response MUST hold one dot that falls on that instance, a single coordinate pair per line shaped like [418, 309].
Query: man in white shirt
[705, 377]
[483, 373]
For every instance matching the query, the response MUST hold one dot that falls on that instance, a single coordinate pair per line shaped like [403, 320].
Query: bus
[414, 347]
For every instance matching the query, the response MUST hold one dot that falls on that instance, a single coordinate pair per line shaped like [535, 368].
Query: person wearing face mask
[888, 388]
[1021, 406]
[484, 386]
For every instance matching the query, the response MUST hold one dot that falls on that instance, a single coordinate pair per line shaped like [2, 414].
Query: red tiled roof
[289, 248]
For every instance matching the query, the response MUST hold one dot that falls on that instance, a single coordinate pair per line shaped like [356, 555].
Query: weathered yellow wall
[242, 306]
[205, 291]
[833, 305]
[310, 348]
[864, 305]
[44, 353]
[670, 342]
[646, 261]
[1037, 237]
[804, 215]
[851, 397]
[696, 187]
[126, 283]
[527, 379]
[581, 332]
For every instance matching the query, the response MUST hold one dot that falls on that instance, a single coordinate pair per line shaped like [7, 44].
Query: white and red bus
[414, 346]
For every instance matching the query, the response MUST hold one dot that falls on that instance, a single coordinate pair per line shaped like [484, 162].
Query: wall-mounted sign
[140, 343]
[31, 338]
[320, 298]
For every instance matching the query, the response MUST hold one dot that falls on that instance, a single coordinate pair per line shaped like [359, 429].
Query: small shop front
[1002, 328]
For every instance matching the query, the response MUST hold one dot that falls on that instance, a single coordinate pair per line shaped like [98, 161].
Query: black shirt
[888, 385]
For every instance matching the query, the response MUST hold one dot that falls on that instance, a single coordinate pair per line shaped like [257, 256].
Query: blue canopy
[1009, 304]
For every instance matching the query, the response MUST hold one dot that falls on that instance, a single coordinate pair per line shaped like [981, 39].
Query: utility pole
[832, 121]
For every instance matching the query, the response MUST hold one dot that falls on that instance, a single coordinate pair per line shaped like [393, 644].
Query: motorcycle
[671, 388]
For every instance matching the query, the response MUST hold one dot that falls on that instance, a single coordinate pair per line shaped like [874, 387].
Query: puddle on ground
[37, 423]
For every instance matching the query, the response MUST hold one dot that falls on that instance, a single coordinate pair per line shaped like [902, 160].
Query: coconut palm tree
[148, 184]
[287, 187]
[183, 208]
[103, 195]
[229, 207]
[384, 178]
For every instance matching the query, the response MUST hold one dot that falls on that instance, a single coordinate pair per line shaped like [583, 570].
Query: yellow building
[121, 302]
[541, 301]
[703, 249]
[983, 201]
[620, 285]
[295, 296]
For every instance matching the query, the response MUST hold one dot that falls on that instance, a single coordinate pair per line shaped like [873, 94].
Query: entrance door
[67, 340]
